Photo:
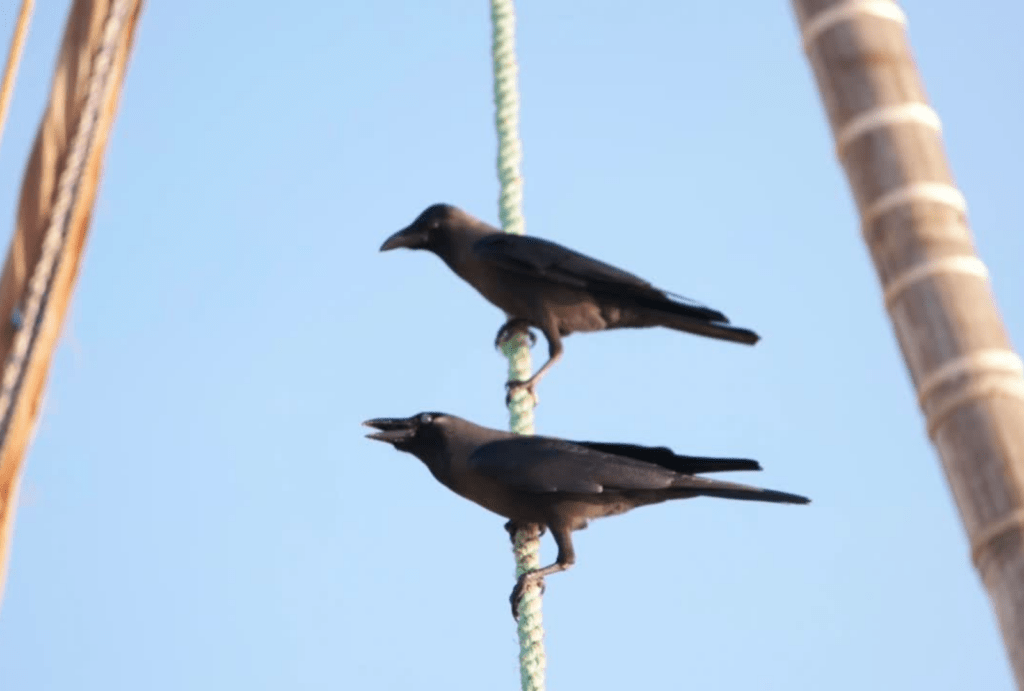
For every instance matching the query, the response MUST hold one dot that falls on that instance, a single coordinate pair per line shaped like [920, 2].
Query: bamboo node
[934, 192]
[1008, 388]
[884, 116]
[992, 532]
[844, 12]
[991, 360]
[966, 265]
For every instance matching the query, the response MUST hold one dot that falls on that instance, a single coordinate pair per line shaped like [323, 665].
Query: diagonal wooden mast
[968, 377]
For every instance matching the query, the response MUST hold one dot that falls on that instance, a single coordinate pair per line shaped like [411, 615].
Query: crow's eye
[426, 419]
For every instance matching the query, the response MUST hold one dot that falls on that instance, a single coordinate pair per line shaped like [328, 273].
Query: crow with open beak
[557, 484]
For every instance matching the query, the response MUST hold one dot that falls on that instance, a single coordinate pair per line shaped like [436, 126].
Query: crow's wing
[666, 458]
[544, 465]
[549, 261]
[546, 259]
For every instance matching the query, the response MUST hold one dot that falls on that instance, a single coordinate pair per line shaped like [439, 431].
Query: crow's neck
[450, 462]
[438, 462]
[456, 248]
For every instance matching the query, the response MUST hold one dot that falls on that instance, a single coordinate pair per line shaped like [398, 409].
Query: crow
[557, 484]
[541, 284]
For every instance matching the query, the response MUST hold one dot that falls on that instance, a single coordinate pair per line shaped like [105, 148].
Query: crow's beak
[392, 430]
[411, 237]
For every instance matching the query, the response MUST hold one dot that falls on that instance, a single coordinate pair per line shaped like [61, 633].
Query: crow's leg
[566, 558]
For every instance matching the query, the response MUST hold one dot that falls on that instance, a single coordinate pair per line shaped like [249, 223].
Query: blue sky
[200, 509]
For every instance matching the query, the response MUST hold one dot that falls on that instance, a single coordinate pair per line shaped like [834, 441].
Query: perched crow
[542, 284]
[555, 483]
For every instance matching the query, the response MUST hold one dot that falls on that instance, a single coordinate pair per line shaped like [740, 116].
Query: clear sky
[200, 509]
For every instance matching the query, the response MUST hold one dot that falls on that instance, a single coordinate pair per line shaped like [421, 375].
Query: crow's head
[423, 435]
[431, 230]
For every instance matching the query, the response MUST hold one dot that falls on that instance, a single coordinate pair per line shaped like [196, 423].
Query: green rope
[532, 660]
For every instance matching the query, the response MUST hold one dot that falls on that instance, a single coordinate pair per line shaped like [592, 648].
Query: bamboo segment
[968, 378]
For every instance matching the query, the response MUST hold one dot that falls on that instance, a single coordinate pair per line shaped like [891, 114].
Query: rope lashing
[532, 660]
[56, 231]
[57, 195]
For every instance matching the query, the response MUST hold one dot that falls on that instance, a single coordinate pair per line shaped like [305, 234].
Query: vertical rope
[532, 660]
[13, 58]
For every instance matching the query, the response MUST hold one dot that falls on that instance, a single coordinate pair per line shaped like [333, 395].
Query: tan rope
[57, 194]
[13, 60]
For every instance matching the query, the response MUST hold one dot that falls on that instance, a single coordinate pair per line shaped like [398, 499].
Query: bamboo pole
[57, 194]
[968, 378]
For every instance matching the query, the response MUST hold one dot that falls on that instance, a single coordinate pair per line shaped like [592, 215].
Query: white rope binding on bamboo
[997, 361]
[989, 360]
[933, 192]
[1005, 387]
[844, 12]
[964, 265]
[885, 116]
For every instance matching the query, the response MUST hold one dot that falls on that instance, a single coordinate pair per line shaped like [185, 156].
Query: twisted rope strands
[532, 660]
[57, 194]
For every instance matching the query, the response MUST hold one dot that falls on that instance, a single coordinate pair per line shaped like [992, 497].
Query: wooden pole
[968, 378]
[57, 194]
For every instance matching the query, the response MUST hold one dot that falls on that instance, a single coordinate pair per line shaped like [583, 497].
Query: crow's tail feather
[696, 320]
[755, 494]
[706, 487]
[719, 330]
[694, 465]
